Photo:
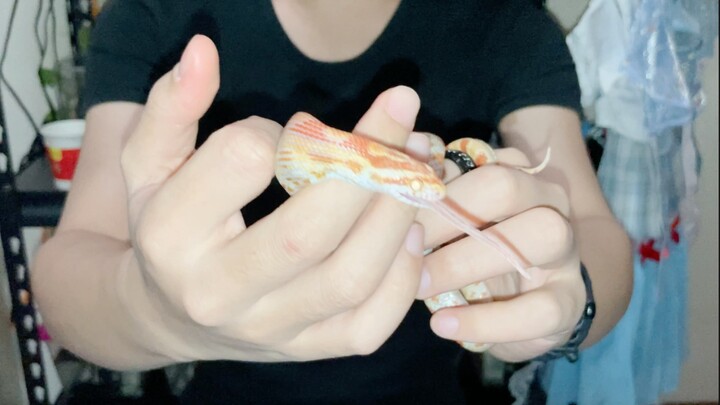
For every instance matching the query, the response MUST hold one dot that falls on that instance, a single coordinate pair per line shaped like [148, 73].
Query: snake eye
[416, 185]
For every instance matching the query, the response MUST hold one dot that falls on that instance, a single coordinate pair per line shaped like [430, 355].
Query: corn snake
[310, 151]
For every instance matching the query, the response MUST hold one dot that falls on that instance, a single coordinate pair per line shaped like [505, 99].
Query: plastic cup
[62, 141]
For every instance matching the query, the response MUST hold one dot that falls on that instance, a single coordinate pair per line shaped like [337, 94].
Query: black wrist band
[571, 349]
[461, 159]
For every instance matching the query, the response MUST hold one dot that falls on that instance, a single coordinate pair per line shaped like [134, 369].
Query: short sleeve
[123, 58]
[532, 61]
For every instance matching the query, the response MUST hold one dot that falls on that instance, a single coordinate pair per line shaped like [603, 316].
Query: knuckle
[347, 291]
[557, 231]
[505, 184]
[149, 240]
[551, 310]
[255, 335]
[203, 309]
[448, 264]
[447, 270]
[246, 147]
[364, 344]
[299, 241]
[515, 156]
[562, 200]
[296, 247]
[271, 129]
[159, 244]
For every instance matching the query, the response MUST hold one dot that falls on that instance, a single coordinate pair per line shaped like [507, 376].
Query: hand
[527, 317]
[297, 285]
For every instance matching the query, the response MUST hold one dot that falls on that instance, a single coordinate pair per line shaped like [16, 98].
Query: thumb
[165, 135]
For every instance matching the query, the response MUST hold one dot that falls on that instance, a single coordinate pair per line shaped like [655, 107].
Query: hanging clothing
[638, 65]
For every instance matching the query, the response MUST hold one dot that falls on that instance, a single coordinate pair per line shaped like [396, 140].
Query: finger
[228, 171]
[509, 157]
[512, 157]
[364, 329]
[539, 313]
[544, 237]
[300, 239]
[165, 135]
[400, 106]
[346, 279]
[297, 238]
[490, 194]
[306, 228]
[418, 146]
[350, 271]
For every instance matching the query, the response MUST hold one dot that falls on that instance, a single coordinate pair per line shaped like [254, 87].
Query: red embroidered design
[648, 252]
[674, 234]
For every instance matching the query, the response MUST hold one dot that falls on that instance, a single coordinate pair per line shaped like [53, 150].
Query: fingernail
[181, 66]
[403, 105]
[176, 72]
[444, 326]
[415, 240]
[418, 146]
[424, 283]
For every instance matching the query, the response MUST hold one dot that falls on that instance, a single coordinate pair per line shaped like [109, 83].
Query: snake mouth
[413, 200]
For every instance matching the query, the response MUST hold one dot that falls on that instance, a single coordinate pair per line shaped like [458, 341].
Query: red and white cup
[62, 141]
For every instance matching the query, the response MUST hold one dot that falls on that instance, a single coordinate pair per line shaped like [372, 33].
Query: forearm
[95, 302]
[604, 247]
[605, 250]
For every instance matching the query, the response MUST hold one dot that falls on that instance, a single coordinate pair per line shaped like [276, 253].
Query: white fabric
[599, 46]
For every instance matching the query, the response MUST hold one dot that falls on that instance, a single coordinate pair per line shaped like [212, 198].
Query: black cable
[54, 33]
[37, 26]
[6, 45]
[46, 27]
[42, 45]
[36, 147]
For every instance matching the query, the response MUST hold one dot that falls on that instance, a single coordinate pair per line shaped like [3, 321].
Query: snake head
[393, 172]
[419, 187]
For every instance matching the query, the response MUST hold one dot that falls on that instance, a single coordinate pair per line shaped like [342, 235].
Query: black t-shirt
[471, 61]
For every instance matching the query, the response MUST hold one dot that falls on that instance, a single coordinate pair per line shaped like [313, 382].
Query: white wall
[21, 67]
[700, 376]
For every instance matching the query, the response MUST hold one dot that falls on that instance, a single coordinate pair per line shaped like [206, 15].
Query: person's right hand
[330, 273]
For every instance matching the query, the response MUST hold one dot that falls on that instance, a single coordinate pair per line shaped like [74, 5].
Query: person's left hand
[527, 317]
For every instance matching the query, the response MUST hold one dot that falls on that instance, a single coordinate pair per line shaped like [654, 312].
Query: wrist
[571, 349]
[158, 336]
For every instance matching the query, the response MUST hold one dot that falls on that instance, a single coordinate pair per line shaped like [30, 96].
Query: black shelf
[40, 202]
[23, 315]
[29, 199]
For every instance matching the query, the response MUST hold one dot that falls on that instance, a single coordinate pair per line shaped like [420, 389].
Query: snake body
[310, 152]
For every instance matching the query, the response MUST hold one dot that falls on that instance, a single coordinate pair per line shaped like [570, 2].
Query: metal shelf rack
[25, 200]
[29, 199]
